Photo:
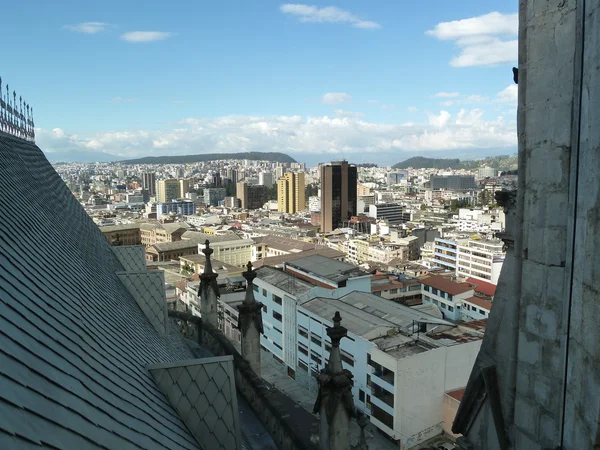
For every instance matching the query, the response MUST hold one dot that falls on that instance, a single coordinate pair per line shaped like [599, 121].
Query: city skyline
[334, 79]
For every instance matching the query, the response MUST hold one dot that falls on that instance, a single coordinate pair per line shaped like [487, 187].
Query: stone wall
[543, 332]
[290, 425]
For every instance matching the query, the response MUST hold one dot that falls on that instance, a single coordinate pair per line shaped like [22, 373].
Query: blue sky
[146, 78]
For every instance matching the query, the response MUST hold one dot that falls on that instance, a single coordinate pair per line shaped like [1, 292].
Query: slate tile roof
[74, 345]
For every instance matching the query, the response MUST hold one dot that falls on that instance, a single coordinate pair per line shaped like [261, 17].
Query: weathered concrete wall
[582, 408]
[544, 340]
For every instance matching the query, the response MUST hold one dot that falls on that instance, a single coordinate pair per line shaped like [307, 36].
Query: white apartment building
[481, 259]
[235, 252]
[401, 361]
[314, 203]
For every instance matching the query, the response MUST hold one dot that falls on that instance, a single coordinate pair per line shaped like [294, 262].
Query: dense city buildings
[338, 194]
[251, 196]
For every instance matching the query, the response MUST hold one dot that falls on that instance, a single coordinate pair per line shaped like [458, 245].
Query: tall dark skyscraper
[216, 180]
[149, 183]
[338, 194]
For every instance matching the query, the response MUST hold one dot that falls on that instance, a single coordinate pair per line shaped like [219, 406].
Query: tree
[423, 207]
[485, 197]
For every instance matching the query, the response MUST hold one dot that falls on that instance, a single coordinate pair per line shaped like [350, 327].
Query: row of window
[437, 292]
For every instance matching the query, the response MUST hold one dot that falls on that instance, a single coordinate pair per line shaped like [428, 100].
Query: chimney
[250, 322]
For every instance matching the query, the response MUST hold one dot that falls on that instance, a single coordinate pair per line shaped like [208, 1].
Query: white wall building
[481, 259]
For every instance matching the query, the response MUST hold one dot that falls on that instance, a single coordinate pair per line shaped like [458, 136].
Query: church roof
[74, 344]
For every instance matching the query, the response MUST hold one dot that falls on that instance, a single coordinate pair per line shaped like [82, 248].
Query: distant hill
[188, 159]
[80, 157]
[502, 163]
[420, 162]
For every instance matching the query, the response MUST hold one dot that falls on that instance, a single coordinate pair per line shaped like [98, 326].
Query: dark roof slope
[74, 345]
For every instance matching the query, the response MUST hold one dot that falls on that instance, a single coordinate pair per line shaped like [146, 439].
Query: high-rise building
[338, 194]
[251, 197]
[212, 196]
[184, 187]
[290, 193]
[265, 179]
[279, 171]
[453, 182]
[216, 180]
[486, 172]
[167, 190]
[149, 183]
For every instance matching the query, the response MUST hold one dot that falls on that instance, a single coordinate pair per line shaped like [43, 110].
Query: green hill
[502, 163]
[420, 162]
[188, 159]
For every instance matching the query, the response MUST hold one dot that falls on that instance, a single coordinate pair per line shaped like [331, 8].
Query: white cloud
[485, 40]
[475, 99]
[335, 98]
[122, 100]
[145, 36]
[412, 109]
[508, 94]
[87, 27]
[447, 94]
[348, 114]
[447, 103]
[328, 14]
[295, 135]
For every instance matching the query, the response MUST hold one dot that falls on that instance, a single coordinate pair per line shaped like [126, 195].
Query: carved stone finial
[249, 266]
[337, 332]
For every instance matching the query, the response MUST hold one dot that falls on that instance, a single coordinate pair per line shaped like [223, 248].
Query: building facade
[291, 193]
[481, 259]
[149, 183]
[338, 194]
[167, 190]
[212, 196]
[453, 182]
[251, 196]
[175, 207]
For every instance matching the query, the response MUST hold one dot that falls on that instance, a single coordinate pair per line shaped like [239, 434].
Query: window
[481, 311]
[302, 331]
[264, 292]
[315, 358]
[450, 308]
[302, 350]
[382, 416]
[361, 395]
[277, 345]
[302, 365]
[265, 308]
[393, 291]
[434, 291]
[449, 297]
[442, 305]
[276, 299]
[277, 358]
[315, 339]
[277, 329]
[277, 316]
[435, 302]
[348, 360]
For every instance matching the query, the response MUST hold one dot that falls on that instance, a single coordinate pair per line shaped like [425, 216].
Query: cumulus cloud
[508, 94]
[87, 27]
[295, 135]
[335, 98]
[328, 14]
[145, 36]
[486, 40]
[348, 114]
[447, 103]
[447, 94]
[412, 109]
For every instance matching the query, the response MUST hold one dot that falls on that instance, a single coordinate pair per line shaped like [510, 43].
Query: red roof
[446, 285]
[483, 286]
[482, 303]
[456, 394]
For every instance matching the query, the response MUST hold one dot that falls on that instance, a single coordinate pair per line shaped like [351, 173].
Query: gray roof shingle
[74, 345]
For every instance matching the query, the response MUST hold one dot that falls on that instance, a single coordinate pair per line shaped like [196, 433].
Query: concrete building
[452, 182]
[212, 196]
[314, 204]
[160, 233]
[149, 183]
[445, 253]
[338, 194]
[236, 252]
[251, 197]
[123, 234]
[170, 251]
[187, 208]
[291, 193]
[480, 259]
[265, 179]
[399, 381]
[167, 190]
[446, 294]
[393, 213]
[486, 172]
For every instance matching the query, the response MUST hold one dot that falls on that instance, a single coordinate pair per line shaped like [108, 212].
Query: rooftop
[480, 302]
[330, 269]
[177, 245]
[483, 286]
[279, 260]
[283, 280]
[446, 285]
[285, 244]
[199, 237]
